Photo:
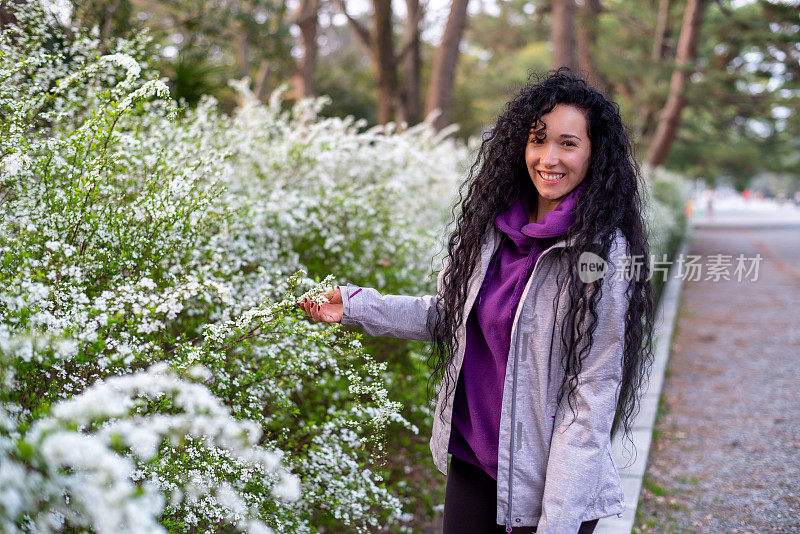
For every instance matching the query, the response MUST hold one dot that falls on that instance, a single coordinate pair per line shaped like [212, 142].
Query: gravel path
[726, 454]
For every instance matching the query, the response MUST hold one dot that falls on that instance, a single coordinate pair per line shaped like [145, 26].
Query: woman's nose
[549, 156]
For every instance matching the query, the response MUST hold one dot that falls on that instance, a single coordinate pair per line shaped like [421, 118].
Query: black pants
[470, 503]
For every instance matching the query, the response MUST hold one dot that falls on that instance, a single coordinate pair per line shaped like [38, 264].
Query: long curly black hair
[612, 199]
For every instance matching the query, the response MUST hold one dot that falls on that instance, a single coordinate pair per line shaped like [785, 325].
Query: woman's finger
[305, 306]
[316, 312]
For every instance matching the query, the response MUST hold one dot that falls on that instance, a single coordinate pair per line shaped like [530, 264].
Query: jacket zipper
[514, 395]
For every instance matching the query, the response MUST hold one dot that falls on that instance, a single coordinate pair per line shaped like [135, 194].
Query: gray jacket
[550, 473]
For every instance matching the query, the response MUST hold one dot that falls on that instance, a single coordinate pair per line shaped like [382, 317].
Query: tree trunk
[587, 38]
[670, 115]
[243, 55]
[306, 19]
[6, 16]
[261, 81]
[661, 31]
[440, 90]
[412, 65]
[108, 20]
[562, 33]
[379, 43]
[383, 56]
[643, 126]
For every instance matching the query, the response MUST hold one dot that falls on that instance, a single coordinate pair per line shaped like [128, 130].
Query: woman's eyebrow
[562, 136]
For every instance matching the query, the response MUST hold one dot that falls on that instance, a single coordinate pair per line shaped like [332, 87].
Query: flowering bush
[90, 462]
[155, 372]
[130, 237]
[667, 193]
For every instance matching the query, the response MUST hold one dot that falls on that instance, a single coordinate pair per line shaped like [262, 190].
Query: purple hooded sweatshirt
[479, 392]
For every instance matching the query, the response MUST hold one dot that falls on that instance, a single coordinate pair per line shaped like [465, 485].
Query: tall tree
[676, 100]
[306, 19]
[661, 30]
[412, 64]
[386, 68]
[563, 34]
[440, 90]
[743, 97]
[379, 42]
[588, 22]
[660, 55]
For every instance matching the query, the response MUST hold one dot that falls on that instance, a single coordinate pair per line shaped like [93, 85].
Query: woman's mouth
[551, 177]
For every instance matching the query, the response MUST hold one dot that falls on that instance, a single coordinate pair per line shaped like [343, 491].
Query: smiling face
[559, 160]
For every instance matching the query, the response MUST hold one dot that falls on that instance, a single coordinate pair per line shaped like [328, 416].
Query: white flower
[11, 165]
[288, 488]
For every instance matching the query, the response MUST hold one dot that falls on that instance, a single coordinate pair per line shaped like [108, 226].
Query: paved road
[726, 457]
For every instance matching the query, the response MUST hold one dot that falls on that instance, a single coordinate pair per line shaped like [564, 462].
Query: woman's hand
[330, 312]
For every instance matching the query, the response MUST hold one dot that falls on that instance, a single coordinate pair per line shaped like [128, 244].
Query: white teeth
[551, 176]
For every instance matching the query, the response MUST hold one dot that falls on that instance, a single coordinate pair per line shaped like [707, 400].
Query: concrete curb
[632, 467]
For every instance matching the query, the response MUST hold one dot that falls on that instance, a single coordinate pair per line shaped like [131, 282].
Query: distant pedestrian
[689, 208]
[709, 199]
[539, 365]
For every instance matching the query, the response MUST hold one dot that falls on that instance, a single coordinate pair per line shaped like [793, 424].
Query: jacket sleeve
[400, 316]
[577, 449]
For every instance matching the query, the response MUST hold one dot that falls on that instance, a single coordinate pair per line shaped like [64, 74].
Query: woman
[556, 343]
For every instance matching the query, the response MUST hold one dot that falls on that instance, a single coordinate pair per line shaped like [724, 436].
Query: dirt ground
[726, 449]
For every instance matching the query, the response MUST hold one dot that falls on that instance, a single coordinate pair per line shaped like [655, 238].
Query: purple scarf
[479, 391]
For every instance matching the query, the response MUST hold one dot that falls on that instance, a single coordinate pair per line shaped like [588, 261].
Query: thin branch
[305, 12]
[724, 9]
[639, 24]
[408, 43]
[361, 31]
